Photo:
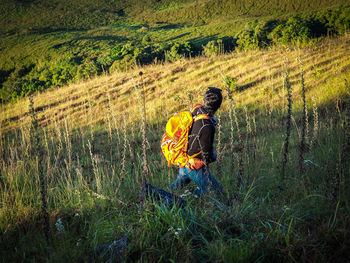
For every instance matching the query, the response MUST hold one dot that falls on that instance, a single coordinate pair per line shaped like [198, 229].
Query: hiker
[200, 146]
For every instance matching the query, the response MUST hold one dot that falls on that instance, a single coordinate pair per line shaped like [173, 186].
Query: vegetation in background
[50, 44]
[94, 163]
[79, 187]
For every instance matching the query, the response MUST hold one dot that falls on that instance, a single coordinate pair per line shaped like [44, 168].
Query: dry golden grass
[258, 72]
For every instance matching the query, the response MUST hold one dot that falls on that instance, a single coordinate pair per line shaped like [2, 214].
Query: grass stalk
[232, 147]
[91, 119]
[289, 115]
[303, 128]
[142, 101]
[345, 153]
[316, 122]
[233, 113]
[37, 150]
[123, 158]
[94, 163]
[219, 148]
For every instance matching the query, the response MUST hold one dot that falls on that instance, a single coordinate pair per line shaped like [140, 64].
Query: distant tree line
[296, 30]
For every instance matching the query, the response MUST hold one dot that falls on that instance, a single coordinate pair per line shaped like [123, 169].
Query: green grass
[36, 36]
[301, 218]
[34, 16]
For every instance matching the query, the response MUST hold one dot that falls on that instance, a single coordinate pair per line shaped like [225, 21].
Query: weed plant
[303, 130]
[288, 87]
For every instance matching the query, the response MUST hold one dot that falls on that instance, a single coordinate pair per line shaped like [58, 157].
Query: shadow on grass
[165, 26]
[91, 38]
[177, 37]
[101, 38]
[200, 41]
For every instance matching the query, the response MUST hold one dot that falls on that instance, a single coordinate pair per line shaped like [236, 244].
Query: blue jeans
[202, 177]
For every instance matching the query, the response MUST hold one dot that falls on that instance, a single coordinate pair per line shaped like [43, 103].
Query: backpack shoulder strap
[201, 117]
[196, 107]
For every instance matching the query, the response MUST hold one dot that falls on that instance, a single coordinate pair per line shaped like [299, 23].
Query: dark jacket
[201, 138]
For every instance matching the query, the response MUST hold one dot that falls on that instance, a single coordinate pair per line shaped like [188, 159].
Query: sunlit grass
[299, 218]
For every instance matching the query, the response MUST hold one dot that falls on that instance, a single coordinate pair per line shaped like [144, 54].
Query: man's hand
[194, 164]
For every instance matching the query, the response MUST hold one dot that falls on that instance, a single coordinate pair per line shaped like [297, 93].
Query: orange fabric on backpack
[175, 139]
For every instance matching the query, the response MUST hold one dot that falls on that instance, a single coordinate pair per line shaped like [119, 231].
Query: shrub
[87, 70]
[104, 61]
[246, 40]
[179, 51]
[31, 86]
[159, 51]
[231, 84]
[143, 55]
[255, 36]
[295, 31]
[12, 87]
[336, 21]
[146, 40]
[120, 51]
[63, 71]
[211, 48]
[127, 62]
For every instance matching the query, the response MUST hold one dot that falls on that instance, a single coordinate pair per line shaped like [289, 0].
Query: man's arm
[206, 143]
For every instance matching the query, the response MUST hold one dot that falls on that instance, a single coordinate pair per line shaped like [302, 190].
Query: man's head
[212, 100]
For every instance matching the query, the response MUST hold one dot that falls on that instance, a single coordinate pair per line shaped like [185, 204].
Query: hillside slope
[258, 73]
[47, 44]
[24, 16]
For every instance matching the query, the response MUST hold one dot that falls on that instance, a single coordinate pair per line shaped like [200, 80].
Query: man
[200, 145]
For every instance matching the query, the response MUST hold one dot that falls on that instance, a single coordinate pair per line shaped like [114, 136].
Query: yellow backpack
[175, 139]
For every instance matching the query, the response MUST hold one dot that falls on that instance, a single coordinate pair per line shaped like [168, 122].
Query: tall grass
[234, 118]
[94, 190]
[288, 88]
[303, 129]
[142, 103]
[38, 154]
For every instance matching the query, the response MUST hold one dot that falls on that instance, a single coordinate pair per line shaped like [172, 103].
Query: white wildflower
[59, 226]
[78, 242]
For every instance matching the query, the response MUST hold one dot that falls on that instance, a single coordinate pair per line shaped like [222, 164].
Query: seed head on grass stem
[315, 117]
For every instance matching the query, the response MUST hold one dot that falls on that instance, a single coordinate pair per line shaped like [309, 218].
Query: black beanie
[212, 100]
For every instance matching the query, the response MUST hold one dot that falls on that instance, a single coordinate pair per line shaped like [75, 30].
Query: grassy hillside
[25, 16]
[88, 145]
[172, 81]
[48, 44]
